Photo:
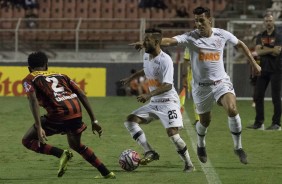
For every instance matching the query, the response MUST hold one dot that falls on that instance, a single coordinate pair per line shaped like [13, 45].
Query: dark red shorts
[71, 126]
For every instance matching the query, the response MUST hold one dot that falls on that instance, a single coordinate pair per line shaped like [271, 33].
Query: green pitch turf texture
[19, 165]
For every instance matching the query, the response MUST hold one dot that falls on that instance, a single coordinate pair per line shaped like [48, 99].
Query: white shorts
[168, 112]
[205, 96]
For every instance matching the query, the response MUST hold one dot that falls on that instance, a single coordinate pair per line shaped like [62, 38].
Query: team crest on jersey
[218, 43]
[27, 87]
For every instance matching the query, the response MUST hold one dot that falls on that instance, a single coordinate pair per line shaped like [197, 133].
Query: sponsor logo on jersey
[209, 56]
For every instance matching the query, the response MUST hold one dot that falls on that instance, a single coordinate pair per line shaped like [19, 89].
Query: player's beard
[149, 49]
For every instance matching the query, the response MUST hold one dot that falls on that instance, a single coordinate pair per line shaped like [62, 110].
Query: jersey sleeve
[28, 85]
[230, 37]
[167, 68]
[181, 39]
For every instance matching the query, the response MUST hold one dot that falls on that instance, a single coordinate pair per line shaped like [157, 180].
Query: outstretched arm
[137, 74]
[165, 42]
[84, 100]
[169, 42]
[256, 69]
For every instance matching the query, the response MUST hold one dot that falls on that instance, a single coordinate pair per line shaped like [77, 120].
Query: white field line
[208, 169]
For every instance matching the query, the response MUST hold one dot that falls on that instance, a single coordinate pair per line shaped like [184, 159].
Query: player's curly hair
[200, 10]
[37, 59]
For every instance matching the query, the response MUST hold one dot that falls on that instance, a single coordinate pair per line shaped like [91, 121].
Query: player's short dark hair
[156, 33]
[200, 10]
[153, 30]
[37, 59]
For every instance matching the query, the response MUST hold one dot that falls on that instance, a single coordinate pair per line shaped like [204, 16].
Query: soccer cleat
[66, 156]
[242, 155]
[149, 156]
[202, 154]
[111, 175]
[256, 126]
[188, 168]
[274, 127]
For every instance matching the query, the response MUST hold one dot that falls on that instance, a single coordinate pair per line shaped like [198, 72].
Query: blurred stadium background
[79, 34]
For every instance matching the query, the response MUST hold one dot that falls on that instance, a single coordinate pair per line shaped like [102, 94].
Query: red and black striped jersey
[55, 92]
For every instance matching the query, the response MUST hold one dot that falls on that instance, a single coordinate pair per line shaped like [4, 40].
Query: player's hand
[143, 98]
[125, 81]
[96, 127]
[41, 136]
[137, 45]
[256, 70]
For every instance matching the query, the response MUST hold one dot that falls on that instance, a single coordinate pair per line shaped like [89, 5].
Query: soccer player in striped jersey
[60, 97]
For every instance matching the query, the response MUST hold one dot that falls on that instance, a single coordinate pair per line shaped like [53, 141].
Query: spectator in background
[268, 47]
[159, 4]
[137, 86]
[31, 14]
[181, 12]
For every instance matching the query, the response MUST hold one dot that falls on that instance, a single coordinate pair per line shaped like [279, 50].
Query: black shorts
[71, 126]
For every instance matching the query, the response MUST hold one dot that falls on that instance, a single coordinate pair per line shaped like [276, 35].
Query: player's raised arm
[169, 42]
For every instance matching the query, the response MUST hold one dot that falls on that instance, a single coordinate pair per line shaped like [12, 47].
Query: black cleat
[188, 168]
[202, 154]
[149, 156]
[242, 155]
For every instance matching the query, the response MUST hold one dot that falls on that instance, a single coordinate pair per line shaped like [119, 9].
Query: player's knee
[133, 118]
[172, 131]
[232, 110]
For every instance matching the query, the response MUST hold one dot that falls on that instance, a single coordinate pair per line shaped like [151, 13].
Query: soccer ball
[129, 160]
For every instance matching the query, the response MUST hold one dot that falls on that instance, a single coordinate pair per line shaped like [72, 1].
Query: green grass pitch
[19, 165]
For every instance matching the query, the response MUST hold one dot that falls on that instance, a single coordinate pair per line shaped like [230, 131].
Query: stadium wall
[9, 82]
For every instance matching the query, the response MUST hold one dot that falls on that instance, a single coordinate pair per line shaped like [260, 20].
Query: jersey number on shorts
[172, 114]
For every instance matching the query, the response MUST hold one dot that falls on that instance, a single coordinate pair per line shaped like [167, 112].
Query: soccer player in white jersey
[210, 81]
[164, 101]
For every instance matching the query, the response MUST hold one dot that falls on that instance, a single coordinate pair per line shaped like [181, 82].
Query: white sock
[137, 134]
[201, 134]
[235, 127]
[181, 148]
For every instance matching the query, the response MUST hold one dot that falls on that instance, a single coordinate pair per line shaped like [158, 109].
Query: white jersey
[160, 70]
[206, 54]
